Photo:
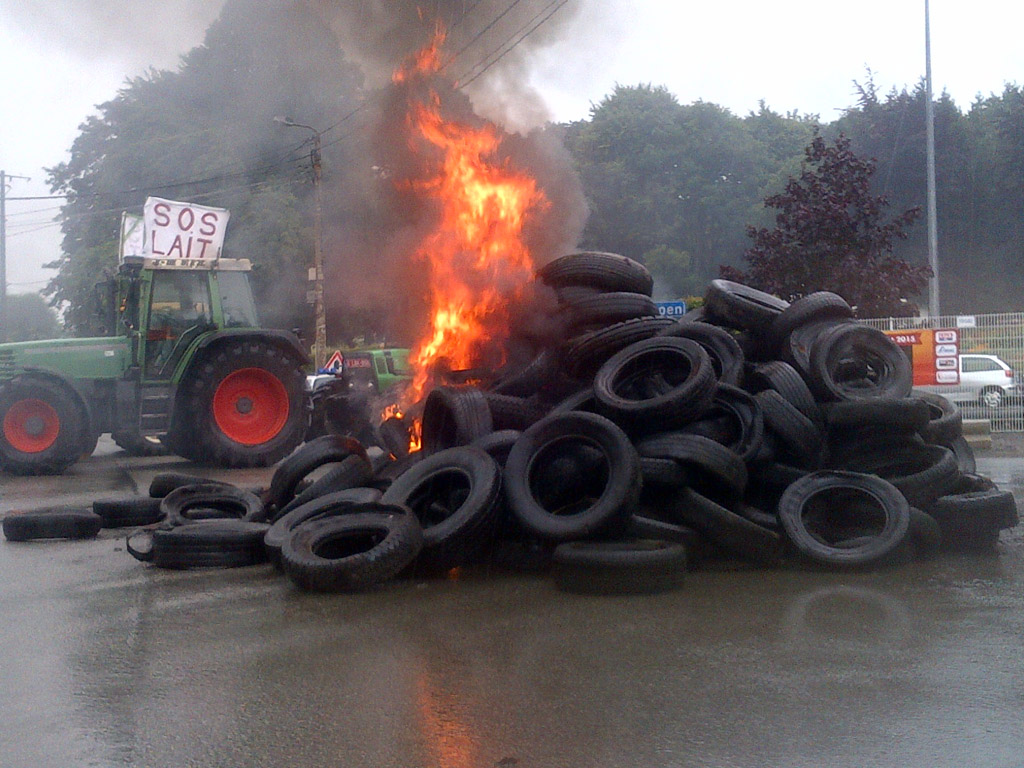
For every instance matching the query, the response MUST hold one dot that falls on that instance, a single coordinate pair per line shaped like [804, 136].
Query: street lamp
[933, 237]
[320, 336]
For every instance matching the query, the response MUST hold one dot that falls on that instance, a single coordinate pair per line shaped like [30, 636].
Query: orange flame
[476, 260]
[415, 430]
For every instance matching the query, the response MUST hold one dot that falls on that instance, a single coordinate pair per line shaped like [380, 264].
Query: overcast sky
[798, 55]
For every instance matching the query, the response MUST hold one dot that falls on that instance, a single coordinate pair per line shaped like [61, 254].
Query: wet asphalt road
[109, 662]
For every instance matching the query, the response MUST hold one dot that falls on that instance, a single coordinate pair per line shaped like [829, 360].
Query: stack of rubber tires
[637, 446]
[622, 451]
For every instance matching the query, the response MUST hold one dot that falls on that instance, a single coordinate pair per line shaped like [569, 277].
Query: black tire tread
[596, 269]
[52, 523]
[400, 543]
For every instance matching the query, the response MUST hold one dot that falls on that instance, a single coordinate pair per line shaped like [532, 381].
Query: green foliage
[831, 234]
[205, 134]
[664, 178]
[75, 284]
[274, 222]
[649, 169]
[979, 158]
[29, 318]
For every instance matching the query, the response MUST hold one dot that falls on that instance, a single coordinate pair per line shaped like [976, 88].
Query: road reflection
[746, 667]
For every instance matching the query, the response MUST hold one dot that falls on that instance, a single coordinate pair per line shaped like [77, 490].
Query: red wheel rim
[31, 426]
[251, 406]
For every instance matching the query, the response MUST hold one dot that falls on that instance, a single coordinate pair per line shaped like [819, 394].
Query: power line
[171, 185]
[465, 14]
[195, 198]
[35, 229]
[351, 114]
[558, 4]
[34, 210]
[286, 157]
[281, 160]
[473, 73]
[480, 34]
[4, 176]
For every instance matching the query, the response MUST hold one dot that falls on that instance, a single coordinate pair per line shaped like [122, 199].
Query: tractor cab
[168, 305]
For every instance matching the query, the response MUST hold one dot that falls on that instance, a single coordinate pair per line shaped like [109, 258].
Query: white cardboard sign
[183, 230]
[133, 235]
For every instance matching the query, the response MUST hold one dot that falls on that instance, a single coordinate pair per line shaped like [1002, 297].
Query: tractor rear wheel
[42, 427]
[243, 405]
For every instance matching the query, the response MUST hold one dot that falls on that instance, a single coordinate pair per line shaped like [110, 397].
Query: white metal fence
[1001, 335]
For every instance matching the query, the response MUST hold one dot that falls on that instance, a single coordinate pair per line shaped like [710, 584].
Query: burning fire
[477, 263]
[394, 411]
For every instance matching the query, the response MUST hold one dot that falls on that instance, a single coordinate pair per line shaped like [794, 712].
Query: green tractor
[184, 368]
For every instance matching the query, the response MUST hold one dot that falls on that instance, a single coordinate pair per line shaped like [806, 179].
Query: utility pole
[933, 234]
[4, 176]
[319, 309]
[320, 338]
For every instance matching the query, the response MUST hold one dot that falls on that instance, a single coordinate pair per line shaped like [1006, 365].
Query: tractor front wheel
[244, 406]
[42, 427]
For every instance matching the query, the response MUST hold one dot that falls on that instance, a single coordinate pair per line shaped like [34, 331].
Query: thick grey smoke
[489, 44]
[134, 33]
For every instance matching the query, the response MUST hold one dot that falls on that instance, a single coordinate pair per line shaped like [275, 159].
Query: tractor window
[398, 364]
[179, 301]
[236, 300]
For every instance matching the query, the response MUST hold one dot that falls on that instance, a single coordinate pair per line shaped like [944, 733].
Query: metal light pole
[320, 335]
[933, 235]
[4, 176]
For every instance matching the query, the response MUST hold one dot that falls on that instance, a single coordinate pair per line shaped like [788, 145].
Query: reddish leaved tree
[831, 235]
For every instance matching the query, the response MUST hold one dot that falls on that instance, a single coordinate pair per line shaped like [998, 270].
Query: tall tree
[205, 133]
[893, 130]
[831, 234]
[990, 266]
[664, 178]
[626, 155]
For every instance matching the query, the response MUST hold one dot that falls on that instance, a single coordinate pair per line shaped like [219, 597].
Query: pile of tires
[633, 447]
[622, 450]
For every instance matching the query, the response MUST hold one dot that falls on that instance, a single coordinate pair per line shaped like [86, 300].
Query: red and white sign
[335, 362]
[934, 355]
[182, 230]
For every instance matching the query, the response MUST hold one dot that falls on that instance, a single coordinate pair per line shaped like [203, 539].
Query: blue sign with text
[671, 308]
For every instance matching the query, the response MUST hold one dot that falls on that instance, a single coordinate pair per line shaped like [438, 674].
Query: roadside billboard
[934, 354]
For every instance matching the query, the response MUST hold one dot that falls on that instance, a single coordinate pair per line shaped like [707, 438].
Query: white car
[984, 379]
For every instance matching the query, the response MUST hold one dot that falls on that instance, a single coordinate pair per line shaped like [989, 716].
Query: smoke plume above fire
[489, 44]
